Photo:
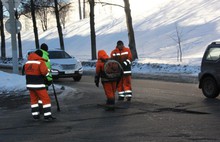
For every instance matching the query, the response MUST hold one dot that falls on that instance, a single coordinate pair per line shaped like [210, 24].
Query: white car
[63, 65]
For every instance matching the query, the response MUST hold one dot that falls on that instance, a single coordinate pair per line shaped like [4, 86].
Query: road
[159, 112]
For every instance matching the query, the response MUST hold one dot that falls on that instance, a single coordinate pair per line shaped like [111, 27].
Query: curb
[180, 78]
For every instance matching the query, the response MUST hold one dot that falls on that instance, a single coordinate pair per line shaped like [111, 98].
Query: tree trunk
[84, 9]
[59, 26]
[19, 39]
[45, 19]
[3, 53]
[131, 36]
[80, 11]
[179, 40]
[92, 29]
[34, 24]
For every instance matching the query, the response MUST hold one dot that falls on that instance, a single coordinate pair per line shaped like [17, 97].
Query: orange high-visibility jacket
[102, 58]
[124, 57]
[36, 70]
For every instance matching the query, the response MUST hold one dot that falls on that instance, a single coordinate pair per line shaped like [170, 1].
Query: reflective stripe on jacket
[36, 71]
[124, 57]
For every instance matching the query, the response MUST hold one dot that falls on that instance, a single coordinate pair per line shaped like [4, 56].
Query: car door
[211, 62]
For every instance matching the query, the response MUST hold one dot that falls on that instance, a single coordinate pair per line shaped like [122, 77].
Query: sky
[155, 24]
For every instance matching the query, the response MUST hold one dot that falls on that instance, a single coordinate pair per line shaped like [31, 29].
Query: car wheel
[77, 78]
[209, 87]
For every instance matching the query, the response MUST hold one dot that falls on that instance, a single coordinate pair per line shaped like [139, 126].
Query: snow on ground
[155, 23]
[11, 82]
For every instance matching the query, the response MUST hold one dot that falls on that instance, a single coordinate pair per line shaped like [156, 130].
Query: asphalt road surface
[159, 112]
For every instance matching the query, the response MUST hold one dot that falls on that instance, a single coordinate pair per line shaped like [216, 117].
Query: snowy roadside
[14, 84]
[156, 71]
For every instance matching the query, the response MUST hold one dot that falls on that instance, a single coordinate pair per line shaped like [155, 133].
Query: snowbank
[11, 82]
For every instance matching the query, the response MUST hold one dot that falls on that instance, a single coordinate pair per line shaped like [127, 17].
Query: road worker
[109, 84]
[45, 56]
[123, 55]
[36, 71]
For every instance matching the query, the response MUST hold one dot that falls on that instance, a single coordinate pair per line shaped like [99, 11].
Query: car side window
[213, 54]
[58, 55]
[66, 55]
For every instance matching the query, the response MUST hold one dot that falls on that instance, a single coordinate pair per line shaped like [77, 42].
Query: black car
[209, 77]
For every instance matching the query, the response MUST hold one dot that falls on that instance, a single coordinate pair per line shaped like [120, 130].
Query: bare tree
[177, 37]
[27, 9]
[58, 25]
[107, 3]
[84, 9]
[42, 9]
[19, 38]
[92, 29]
[80, 11]
[42, 12]
[3, 52]
[34, 24]
[131, 36]
[63, 8]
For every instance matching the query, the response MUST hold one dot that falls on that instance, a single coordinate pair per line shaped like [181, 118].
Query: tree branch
[106, 3]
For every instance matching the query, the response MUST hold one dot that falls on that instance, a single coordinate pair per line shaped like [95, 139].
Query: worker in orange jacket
[123, 55]
[109, 85]
[36, 72]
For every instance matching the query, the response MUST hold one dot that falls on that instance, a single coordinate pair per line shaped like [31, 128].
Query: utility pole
[13, 36]
[3, 52]
[13, 27]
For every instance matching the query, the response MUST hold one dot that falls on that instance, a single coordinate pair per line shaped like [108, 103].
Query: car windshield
[58, 55]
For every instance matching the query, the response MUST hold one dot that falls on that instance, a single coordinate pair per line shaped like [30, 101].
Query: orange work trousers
[110, 89]
[124, 86]
[40, 94]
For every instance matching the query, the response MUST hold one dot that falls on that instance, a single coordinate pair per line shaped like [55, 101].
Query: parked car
[63, 65]
[209, 76]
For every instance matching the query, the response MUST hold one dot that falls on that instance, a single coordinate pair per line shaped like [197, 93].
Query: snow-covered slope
[154, 22]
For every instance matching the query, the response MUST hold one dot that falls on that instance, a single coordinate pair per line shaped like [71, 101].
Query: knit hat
[120, 42]
[44, 47]
[39, 53]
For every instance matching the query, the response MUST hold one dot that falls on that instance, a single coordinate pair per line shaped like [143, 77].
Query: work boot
[110, 108]
[110, 105]
[128, 99]
[120, 98]
[49, 118]
[36, 117]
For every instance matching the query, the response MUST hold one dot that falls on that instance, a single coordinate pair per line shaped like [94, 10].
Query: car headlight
[54, 72]
[78, 64]
[56, 66]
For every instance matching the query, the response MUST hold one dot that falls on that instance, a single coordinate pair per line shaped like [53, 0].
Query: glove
[97, 80]
[48, 83]
[23, 70]
[126, 65]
